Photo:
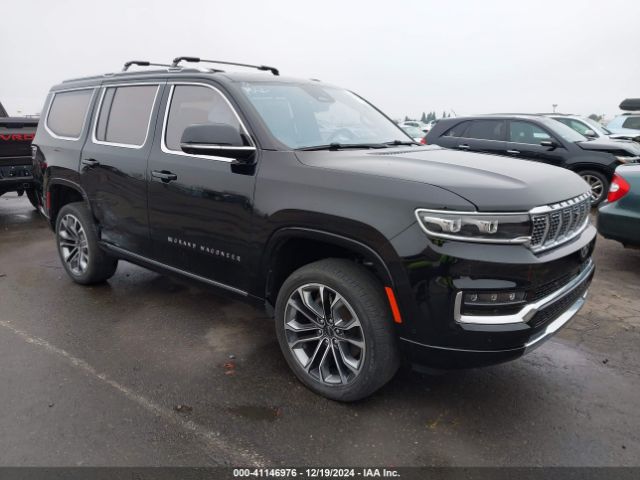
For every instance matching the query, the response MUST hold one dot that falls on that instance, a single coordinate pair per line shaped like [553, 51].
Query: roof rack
[264, 68]
[142, 63]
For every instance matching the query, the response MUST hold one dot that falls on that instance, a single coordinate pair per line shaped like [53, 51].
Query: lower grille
[558, 307]
[550, 287]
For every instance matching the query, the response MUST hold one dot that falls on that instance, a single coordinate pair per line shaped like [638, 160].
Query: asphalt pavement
[147, 370]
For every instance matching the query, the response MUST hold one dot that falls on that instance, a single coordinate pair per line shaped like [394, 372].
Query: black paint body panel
[221, 223]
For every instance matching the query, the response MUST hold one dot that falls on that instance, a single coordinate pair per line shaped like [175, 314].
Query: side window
[457, 130]
[125, 114]
[68, 112]
[195, 105]
[527, 132]
[632, 122]
[486, 130]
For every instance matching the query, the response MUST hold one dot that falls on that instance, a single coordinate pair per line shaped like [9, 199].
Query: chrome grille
[558, 223]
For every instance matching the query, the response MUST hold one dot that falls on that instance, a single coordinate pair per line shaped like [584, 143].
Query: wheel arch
[61, 192]
[290, 248]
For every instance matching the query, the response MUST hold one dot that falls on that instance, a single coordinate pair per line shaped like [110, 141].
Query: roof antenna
[264, 68]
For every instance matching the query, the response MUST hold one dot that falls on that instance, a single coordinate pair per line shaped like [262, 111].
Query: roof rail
[264, 68]
[142, 63]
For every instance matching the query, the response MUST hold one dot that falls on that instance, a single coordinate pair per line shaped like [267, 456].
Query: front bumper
[436, 332]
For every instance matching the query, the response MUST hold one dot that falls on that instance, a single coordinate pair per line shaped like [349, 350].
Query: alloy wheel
[324, 334]
[74, 247]
[596, 185]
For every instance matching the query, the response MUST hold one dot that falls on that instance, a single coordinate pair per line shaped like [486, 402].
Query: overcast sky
[404, 56]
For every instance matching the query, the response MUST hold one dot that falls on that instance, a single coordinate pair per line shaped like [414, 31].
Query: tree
[597, 118]
[423, 119]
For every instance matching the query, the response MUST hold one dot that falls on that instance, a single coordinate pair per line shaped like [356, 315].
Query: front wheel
[77, 238]
[598, 183]
[335, 329]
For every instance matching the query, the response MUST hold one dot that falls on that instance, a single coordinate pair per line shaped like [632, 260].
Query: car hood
[490, 182]
[611, 145]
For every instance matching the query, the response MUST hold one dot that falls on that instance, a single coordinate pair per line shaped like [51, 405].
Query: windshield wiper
[401, 142]
[343, 146]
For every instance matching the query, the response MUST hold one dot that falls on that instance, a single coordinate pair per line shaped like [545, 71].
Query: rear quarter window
[457, 130]
[68, 112]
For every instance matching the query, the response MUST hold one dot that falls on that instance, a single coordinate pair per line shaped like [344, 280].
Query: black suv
[366, 247]
[538, 138]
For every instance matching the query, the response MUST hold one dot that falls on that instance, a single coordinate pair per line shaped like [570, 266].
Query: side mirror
[549, 143]
[590, 134]
[217, 140]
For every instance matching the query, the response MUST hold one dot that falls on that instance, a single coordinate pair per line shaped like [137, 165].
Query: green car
[619, 216]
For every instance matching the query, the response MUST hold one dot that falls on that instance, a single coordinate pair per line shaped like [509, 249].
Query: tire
[76, 230]
[33, 198]
[346, 372]
[599, 184]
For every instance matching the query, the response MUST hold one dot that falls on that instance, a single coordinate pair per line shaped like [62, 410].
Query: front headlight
[476, 227]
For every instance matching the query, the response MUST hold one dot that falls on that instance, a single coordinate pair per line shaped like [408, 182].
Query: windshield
[560, 129]
[306, 115]
[596, 126]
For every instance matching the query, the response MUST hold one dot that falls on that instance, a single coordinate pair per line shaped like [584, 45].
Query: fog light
[493, 298]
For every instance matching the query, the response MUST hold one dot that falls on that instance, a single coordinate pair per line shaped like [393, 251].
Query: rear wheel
[335, 329]
[76, 235]
[598, 183]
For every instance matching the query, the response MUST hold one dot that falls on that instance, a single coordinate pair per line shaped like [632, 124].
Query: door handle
[90, 162]
[464, 146]
[164, 175]
[514, 152]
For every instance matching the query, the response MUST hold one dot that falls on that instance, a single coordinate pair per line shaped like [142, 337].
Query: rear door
[114, 162]
[483, 135]
[524, 142]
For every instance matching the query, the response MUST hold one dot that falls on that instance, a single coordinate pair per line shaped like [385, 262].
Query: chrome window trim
[528, 311]
[166, 149]
[84, 121]
[104, 88]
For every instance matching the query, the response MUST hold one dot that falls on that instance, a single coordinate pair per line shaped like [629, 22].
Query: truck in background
[16, 170]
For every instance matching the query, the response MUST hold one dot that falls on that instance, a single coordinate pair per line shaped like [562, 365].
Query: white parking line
[237, 455]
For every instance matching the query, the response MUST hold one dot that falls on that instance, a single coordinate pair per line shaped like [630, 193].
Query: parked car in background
[414, 132]
[588, 127]
[412, 123]
[619, 217]
[365, 252]
[627, 123]
[541, 139]
[16, 174]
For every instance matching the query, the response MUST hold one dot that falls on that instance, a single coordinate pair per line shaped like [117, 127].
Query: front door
[524, 142]
[200, 211]
[113, 163]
